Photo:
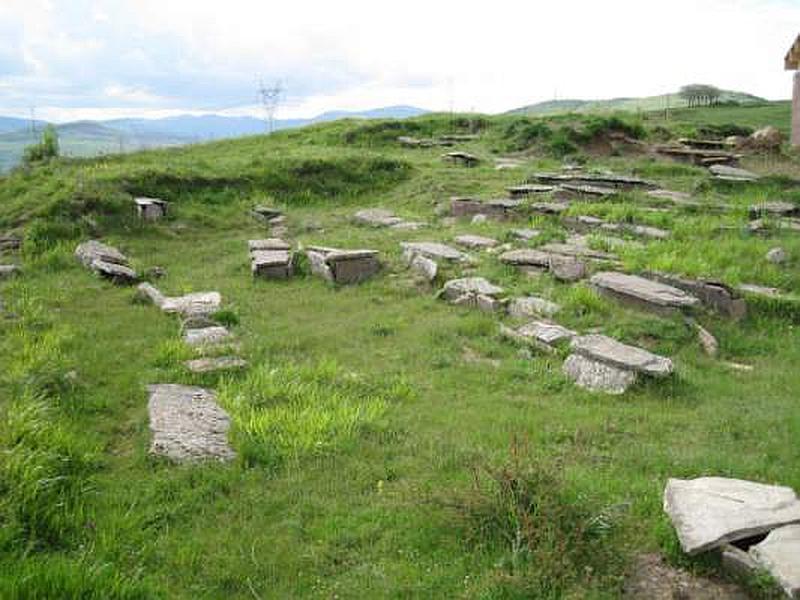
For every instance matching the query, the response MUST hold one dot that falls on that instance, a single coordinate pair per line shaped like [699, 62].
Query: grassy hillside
[646, 104]
[431, 458]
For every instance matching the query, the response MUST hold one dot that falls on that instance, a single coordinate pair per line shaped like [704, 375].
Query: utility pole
[270, 99]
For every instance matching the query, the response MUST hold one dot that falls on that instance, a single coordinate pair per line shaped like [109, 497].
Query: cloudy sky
[103, 58]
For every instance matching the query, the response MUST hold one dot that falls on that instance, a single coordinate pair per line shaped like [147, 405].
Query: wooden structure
[792, 63]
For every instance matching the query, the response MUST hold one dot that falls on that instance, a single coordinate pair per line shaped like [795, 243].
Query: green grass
[367, 410]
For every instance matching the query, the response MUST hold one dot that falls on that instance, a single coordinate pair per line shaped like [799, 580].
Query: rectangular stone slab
[431, 250]
[207, 336]
[187, 424]
[645, 291]
[268, 244]
[597, 376]
[708, 512]
[475, 241]
[609, 351]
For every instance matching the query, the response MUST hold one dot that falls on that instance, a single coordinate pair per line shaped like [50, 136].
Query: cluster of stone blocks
[271, 258]
[343, 266]
[106, 261]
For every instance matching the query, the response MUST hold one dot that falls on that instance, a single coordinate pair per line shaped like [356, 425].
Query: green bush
[46, 149]
[521, 134]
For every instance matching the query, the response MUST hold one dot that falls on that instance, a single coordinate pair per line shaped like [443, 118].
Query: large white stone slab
[187, 424]
[779, 553]
[710, 511]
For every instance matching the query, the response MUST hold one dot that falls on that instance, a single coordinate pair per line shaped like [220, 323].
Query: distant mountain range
[91, 138]
[649, 103]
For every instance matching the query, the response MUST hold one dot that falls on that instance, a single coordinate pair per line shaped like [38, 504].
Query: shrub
[521, 134]
[562, 143]
[284, 413]
[550, 540]
[46, 149]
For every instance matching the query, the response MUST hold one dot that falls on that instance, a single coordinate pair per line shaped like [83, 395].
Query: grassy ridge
[418, 465]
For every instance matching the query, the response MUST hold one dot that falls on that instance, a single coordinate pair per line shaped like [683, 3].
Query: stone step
[187, 424]
[214, 364]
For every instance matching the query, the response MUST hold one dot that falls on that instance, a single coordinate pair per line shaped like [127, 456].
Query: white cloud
[352, 54]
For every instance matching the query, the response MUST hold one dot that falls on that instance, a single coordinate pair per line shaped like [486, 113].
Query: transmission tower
[270, 99]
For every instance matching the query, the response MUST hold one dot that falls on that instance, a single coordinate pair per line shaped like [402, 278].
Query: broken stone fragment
[567, 268]
[777, 256]
[707, 341]
[424, 266]
[643, 292]
[540, 334]
[611, 352]
[531, 306]
[477, 242]
[774, 208]
[187, 424]
[106, 261]
[115, 272]
[779, 553]
[472, 291]
[710, 511]
[597, 376]
[266, 213]
[433, 250]
[526, 257]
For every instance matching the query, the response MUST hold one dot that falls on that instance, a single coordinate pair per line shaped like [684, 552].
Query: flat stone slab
[531, 306]
[470, 285]
[433, 250]
[549, 208]
[187, 424]
[713, 294]
[461, 157]
[710, 511]
[266, 213]
[219, 363]
[207, 336]
[732, 173]
[424, 266]
[268, 244]
[633, 287]
[9, 242]
[605, 179]
[475, 241]
[607, 350]
[195, 304]
[779, 553]
[577, 250]
[526, 257]
[597, 376]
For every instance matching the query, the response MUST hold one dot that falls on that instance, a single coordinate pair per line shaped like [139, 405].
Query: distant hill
[90, 138]
[649, 103]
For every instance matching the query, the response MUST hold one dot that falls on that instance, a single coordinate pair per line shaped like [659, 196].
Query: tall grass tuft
[285, 413]
[43, 474]
[551, 541]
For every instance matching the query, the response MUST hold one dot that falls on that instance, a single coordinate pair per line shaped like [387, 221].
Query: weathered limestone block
[343, 266]
[501, 208]
[532, 306]
[377, 217]
[643, 292]
[712, 294]
[271, 264]
[198, 303]
[540, 334]
[529, 189]
[708, 512]
[597, 376]
[779, 553]
[611, 352]
[151, 209]
[187, 424]
[526, 257]
[726, 173]
[463, 158]
[605, 180]
[106, 261]
[425, 267]
[525, 234]
[207, 336]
